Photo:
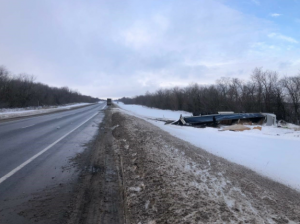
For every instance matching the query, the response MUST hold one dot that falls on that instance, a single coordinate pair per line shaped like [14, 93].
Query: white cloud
[275, 14]
[283, 37]
[208, 64]
[296, 62]
[123, 48]
[138, 37]
[256, 2]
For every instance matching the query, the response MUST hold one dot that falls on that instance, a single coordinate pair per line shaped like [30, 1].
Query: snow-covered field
[153, 112]
[273, 152]
[23, 112]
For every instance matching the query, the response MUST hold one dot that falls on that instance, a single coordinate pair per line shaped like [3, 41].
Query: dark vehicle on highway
[108, 101]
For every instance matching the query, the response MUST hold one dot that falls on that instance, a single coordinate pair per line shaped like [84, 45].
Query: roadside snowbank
[273, 152]
[153, 112]
[7, 113]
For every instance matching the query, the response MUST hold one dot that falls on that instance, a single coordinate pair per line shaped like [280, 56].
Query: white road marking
[44, 150]
[28, 126]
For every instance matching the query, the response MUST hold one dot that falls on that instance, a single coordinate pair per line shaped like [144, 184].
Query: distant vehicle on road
[108, 101]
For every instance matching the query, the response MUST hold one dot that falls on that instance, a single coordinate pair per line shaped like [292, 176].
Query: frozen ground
[273, 152]
[7, 113]
[168, 180]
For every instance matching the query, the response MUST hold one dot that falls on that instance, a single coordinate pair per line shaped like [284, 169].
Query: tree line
[263, 92]
[22, 91]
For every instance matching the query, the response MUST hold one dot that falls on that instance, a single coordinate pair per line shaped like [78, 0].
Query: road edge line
[2, 179]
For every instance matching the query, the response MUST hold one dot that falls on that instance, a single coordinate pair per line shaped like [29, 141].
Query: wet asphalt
[22, 139]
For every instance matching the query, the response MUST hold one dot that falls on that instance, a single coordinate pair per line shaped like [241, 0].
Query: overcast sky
[116, 48]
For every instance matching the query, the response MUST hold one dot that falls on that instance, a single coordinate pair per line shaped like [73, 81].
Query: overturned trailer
[227, 119]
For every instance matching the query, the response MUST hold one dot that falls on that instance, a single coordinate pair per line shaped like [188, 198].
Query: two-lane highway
[33, 152]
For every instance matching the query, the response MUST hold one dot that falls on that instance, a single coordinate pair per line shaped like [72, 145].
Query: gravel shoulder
[167, 180]
[98, 196]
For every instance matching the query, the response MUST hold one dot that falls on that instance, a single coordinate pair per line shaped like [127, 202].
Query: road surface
[35, 154]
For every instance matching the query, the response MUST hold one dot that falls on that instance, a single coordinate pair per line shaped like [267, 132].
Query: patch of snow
[114, 127]
[273, 152]
[136, 189]
[153, 112]
[147, 204]
[152, 222]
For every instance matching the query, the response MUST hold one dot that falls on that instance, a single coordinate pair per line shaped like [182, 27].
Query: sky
[122, 48]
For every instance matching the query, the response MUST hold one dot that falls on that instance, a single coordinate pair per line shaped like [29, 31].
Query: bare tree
[292, 89]
[264, 92]
[22, 91]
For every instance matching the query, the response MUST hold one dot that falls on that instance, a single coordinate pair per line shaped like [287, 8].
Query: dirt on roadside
[167, 180]
[98, 198]
[135, 173]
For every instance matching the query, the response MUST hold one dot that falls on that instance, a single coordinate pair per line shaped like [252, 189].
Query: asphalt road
[35, 154]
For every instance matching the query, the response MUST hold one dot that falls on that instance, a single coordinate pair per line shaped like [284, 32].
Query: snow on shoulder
[7, 113]
[153, 112]
[272, 151]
